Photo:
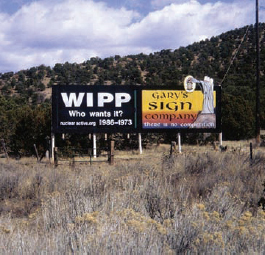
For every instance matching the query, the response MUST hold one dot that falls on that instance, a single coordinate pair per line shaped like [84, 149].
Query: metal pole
[179, 142]
[140, 143]
[220, 139]
[94, 146]
[52, 146]
[257, 76]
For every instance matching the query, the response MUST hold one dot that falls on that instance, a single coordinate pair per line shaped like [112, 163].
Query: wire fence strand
[234, 56]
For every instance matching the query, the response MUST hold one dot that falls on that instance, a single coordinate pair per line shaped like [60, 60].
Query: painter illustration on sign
[206, 117]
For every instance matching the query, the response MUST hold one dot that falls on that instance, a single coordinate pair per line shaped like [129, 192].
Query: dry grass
[194, 202]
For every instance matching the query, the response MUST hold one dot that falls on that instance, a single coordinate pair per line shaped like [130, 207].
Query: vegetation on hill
[26, 94]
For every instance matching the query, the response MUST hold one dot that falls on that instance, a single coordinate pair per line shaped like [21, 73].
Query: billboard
[172, 109]
[93, 109]
[135, 109]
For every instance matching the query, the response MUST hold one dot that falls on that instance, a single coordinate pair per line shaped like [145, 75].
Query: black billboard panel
[93, 109]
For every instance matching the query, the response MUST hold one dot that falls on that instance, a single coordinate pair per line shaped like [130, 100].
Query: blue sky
[55, 31]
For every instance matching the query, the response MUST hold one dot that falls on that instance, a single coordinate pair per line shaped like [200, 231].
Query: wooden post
[140, 143]
[37, 154]
[94, 146]
[172, 148]
[251, 151]
[89, 151]
[111, 152]
[179, 142]
[257, 76]
[4, 147]
[55, 153]
[73, 162]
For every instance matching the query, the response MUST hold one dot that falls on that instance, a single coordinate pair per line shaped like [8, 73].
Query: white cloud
[44, 32]
[158, 4]
[48, 32]
[181, 24]
[69, 24]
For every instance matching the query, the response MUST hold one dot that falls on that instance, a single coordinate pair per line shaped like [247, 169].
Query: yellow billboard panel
[167, 109]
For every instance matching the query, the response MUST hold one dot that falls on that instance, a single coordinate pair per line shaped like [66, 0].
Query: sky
[36, 32]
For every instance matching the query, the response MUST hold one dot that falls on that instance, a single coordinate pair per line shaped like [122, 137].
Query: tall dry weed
[186, 203]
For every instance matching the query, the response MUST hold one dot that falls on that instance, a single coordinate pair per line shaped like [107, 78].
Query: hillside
[30, 88]
[167, 67]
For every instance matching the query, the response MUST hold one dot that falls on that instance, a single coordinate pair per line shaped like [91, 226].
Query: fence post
[172, 148]
[179, 142]
[111, 153]
[73, 162]
[55, 153]
[37, 154]
[251, 151]
[4, 147]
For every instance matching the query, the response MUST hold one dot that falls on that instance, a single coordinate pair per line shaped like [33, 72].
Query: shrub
[204, 202]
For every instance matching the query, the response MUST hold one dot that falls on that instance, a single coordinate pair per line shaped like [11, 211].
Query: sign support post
[111, 152]
[179, 142]
[220, 139]
[52, 146]
[140, 143]
[94, 146]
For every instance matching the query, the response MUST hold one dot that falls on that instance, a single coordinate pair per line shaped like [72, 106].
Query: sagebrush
[185, 203]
